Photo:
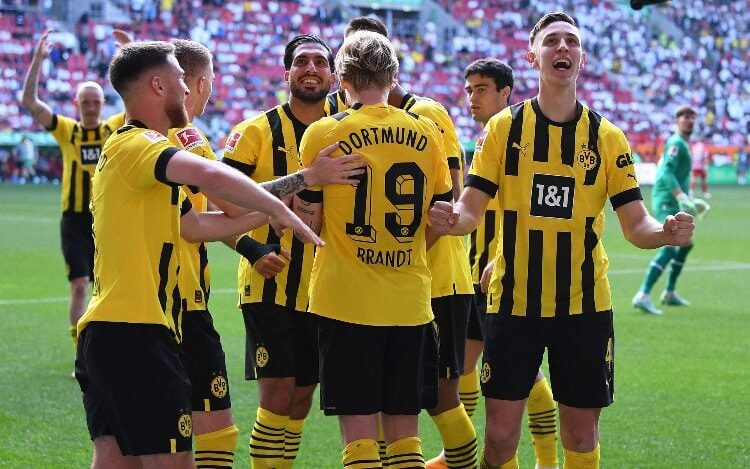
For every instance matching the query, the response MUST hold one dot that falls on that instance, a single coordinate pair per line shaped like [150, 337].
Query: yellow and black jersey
[552, 181]
[483, 241]
[80, 148]
[336, 102]
[195, 275]
[136, 232]
[447, 258]
[373, 268]
[265, 148]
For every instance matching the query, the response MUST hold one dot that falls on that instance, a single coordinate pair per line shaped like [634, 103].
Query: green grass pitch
[683, 383]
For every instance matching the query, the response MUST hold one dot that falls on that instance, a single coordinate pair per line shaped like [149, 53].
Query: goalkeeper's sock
[676, 267]
[666, 254]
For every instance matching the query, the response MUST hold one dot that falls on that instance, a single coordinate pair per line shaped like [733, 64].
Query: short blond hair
[367, 60]
[89, 85]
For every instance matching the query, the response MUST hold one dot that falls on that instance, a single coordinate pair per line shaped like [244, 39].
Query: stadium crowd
[640, 60]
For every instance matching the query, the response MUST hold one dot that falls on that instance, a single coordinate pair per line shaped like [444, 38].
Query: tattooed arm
[286, 185]
[40, 111]
[308, 206]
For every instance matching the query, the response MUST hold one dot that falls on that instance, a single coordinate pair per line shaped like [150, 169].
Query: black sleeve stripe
[244, 168]
[444, 197]
[624, 197]
[311, 196]
[484, 185]
[53, 124]
[194, 189]
[185, 207]
[454, 162]
[160, 170]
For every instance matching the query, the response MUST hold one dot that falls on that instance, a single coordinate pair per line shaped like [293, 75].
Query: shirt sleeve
[243, 148]
[443, 183]
[489, 155]
[622, 183]
[151, 152]
[61, 128]
[314, 140]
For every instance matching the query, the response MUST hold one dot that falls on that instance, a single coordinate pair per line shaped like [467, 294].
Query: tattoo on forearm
[305, 211]
[286, 185]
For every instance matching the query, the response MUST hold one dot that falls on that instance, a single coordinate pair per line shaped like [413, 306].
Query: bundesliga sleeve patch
[481, 140]
[231, 144]
[153, 136]
[190, 138]
[673, 150]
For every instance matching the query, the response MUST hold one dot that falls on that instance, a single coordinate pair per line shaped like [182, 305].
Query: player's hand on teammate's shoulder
[679, 229]
[272, 263]
[441, 217]
[346, 169]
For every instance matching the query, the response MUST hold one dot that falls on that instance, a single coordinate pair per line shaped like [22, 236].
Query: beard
[310, 97]
[176, 113]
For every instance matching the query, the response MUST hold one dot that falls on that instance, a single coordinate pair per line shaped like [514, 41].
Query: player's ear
[583, 59]
[156, 85]
[531, 58]
[286, 77]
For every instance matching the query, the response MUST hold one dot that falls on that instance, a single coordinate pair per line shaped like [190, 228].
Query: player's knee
[277, 395]
[500, 436]
[579, 438]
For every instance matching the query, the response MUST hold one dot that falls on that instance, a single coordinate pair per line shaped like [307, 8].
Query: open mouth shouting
[562, 64]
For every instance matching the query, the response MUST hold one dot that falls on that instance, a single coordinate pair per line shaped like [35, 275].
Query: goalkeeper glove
[687, 204]
[701, 208]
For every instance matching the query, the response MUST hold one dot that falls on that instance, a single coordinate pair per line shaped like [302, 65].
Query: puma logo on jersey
[520, 148]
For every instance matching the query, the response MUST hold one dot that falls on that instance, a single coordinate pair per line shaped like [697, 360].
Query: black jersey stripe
[562, 273]
[277, 142]
[333, 103]
[72, 188]
[594, 123]
[473, 252]
[568, 144]
[587, 268]
[513, 146]
[294, 272]
[508, 282]
[541, 140]
[489, 235]
[203, 257]
[85, 190]
[164, 258]
[177, 310]
[534, 274]
[269, 284]
[244, 168]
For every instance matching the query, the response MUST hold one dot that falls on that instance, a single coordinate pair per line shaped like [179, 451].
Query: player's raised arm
[39, 110]
[645, 232]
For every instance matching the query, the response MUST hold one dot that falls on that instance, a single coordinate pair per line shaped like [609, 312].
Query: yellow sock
[468, 391]
[588, 460]
[361, 454]
[543, 423]
[459, 437]
[267, 440]
[381, 439]
[405, 453]
[292, 439]
[510, 464]
[216, 449]
[74, 336]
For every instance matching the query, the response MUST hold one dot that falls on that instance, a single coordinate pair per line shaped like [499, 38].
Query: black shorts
[369, 369]
[280, 343]
[477, 315]
[135, 387]
[77, 239]
[452, 318]
[204, 360]
[580, 354]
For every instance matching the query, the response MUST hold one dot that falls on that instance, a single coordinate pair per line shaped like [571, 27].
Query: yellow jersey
[80, 148]
[195, 275]
[552, 180]
[373, 268]
[136, 232]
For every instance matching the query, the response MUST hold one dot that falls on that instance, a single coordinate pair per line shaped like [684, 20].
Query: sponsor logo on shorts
[185, 425]
[261, 356]
[219, 387]
[587, 158]
[486, 373]
[609, 355]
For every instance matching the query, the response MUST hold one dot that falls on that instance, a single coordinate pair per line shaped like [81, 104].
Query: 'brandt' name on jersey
[389, 258]
[378, 135]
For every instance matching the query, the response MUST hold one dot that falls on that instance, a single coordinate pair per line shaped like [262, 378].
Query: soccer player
[282, 352]
[373, 333]
[136, 390]
[489, 83]
[701, 158]
[451, 288]
[669, 196]
[80, 144]
[552, 162]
